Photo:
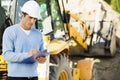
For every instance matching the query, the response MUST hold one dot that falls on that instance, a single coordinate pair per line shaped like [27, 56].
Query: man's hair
[24, 13]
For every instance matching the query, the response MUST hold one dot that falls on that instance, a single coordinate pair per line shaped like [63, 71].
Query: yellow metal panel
[73, 33]
[46, 40]
[76, 74]
[42, 79]
[85, 67]
[3, 64]
[56, 46]
[77, 37]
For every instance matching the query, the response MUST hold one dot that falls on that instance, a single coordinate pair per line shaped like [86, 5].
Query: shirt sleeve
[8, 47]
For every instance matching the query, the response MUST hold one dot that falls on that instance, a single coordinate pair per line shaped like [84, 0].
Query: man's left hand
[41, 59]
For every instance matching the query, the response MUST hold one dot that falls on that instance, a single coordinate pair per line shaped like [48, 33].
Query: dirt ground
[108, 68]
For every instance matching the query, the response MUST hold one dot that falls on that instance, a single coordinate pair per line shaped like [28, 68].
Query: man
[21, 43]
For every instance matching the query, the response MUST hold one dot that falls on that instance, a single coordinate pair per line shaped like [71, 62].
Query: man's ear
[21, 15]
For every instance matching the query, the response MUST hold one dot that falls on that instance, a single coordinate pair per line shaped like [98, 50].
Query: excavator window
[51, 22]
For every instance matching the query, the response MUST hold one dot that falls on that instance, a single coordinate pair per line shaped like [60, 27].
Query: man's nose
[33, 20]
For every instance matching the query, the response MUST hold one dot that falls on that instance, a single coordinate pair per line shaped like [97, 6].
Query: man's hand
[35, 52]
[40, 59]
[32, 52]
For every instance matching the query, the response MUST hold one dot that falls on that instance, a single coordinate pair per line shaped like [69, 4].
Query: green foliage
[41, 1]
[108, 1]
[115, 4]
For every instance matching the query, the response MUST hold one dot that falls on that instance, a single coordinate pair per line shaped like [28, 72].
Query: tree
[115, 4]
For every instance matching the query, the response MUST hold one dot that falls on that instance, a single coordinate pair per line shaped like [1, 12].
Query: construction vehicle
[67, 44]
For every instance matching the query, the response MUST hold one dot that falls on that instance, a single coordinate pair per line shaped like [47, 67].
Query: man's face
[27, 21]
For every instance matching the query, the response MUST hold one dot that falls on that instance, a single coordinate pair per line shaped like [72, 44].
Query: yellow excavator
[67, 43]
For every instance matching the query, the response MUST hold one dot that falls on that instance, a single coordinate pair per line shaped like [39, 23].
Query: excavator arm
[73, 33]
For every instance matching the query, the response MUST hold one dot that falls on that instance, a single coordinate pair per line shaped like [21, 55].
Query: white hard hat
[32, 8]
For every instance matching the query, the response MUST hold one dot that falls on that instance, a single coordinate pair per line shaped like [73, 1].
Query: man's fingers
[41, 59]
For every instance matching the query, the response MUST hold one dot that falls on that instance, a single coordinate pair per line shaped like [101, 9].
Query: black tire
[62, 70]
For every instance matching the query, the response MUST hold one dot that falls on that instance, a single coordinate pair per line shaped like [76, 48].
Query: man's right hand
[32, 52]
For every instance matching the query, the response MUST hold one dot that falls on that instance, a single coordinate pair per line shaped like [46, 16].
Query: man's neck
[23, 26]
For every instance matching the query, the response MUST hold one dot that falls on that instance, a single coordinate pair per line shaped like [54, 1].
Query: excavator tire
[61, 69]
